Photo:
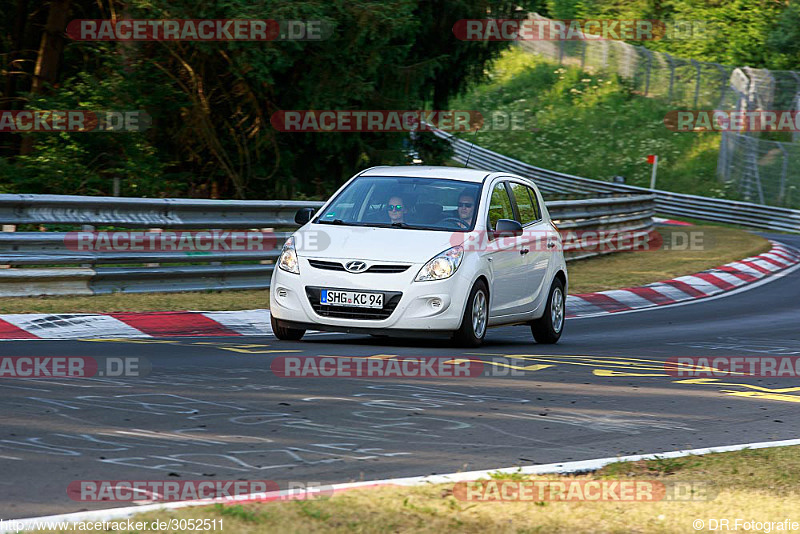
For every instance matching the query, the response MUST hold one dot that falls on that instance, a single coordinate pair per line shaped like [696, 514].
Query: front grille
[336, 266]
[388, 268]
[390, 301]
[327, 265]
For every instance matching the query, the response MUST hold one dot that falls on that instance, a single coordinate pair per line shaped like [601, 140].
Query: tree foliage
[211, 102]
[755, 33]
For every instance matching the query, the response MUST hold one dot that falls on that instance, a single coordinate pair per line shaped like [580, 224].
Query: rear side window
[499, 205]
[527, 206]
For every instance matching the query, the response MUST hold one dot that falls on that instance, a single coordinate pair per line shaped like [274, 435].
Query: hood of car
[396, 245]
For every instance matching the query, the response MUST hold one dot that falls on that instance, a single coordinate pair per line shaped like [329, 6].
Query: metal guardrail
[667, 203]
[148, 212]
[44, 263]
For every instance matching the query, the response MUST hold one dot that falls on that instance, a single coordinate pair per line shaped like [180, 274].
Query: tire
[283, 333]
[547, 330]
[476, 317]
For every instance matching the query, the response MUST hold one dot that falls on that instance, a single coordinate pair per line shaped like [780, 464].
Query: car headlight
[288, 258]
[441, 266]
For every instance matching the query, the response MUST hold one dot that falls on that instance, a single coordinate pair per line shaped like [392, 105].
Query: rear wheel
[286, 334]
[476, 317]
[547, 329]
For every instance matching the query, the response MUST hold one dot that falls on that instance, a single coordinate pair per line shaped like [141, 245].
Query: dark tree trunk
[48, 60]
[8, 141]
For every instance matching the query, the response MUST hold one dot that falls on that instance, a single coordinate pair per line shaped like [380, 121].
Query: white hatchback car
[413, 250]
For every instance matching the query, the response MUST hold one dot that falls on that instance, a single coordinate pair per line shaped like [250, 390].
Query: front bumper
[422, 306]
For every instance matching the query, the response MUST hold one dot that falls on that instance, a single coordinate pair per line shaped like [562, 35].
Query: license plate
[351, 298]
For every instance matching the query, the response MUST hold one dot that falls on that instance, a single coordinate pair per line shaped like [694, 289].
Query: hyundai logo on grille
[355, 266]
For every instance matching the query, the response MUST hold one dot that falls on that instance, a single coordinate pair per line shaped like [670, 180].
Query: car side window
[535, 202]
[499, 205]
[526, 205]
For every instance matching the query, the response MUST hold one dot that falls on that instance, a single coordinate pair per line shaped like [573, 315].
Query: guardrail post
[156, 230]
[217, 263]
[87, 228]
[268, 262]
[8, 228]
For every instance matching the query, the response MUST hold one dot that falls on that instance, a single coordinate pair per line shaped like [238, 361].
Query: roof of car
[425, 171]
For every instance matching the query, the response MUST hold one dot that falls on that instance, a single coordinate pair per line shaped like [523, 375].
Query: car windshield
[406, 203]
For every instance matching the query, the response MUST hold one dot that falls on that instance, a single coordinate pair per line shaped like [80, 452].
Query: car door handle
[551, 244]
[524, 251]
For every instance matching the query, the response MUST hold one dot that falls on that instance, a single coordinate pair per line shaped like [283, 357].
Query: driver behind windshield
[466, 207]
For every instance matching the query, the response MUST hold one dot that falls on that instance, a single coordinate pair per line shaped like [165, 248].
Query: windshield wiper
[335, 221]
[400, 225]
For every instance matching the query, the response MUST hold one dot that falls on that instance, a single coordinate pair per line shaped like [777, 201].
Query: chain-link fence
[765, 172]
[695, 84]
[762, 170]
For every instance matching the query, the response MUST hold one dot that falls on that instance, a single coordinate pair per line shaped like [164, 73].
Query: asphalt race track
[211, 408]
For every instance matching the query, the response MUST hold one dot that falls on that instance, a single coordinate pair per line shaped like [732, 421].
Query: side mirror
[507, 228]
[303, 215]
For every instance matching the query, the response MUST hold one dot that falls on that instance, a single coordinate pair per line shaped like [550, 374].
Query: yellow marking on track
[535, 367]
[635, 364]
[260, 351]
[609, 372]
[715, 382]
[595, 363]
[760, 395]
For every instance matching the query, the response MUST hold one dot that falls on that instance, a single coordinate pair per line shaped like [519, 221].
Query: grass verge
[614, 271]
[753, 485]
[592, 125]
[629, 269]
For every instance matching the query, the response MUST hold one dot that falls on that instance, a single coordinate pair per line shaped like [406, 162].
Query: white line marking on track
[767, 279]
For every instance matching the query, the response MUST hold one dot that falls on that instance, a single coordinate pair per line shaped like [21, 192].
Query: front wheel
[547, 329]
[476, 317]
[283, 333]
